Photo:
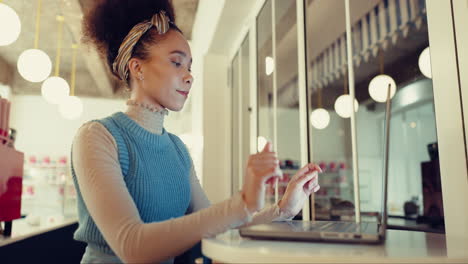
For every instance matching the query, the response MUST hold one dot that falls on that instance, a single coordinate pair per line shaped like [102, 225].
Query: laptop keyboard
[338, 227]
[327, 226]
[341, 227]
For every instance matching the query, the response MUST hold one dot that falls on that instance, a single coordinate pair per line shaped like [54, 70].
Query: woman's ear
[135, 67]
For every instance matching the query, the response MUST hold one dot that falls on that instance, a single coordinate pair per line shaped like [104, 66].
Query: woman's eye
[177, 64]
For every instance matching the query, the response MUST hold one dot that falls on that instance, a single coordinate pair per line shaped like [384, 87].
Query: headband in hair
[120, 66]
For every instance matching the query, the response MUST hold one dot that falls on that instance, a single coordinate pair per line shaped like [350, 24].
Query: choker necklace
[148, 107]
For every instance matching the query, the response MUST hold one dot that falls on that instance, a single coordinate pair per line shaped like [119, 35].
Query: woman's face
[167, 77]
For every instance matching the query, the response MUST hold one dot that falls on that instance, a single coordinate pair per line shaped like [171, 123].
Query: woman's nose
[188, 79]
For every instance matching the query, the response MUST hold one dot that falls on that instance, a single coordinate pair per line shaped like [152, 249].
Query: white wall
[42, 131]
[206, 21]
[216, 129]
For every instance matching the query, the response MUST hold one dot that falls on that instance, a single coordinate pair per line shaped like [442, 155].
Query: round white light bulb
[10, 25]
[261, 142]
[425, 63]
[269, 65]
[55, 90]
[320, 118]
[34, 65]
[71, 108]
[378, 88]
[343, 106]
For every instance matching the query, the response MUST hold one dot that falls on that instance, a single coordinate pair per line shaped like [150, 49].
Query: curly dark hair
[108, 22]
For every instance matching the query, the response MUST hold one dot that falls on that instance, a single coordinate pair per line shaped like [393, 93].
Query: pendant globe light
[320, 118]
[72, 107]
[269, 65]
[34, 65]
[343, 103]
[425, 63]
[261, 142]
[55, 89]
[379, 84]
[10, 25]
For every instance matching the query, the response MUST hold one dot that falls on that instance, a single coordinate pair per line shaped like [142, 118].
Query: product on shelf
[48, 187]
[11, 172]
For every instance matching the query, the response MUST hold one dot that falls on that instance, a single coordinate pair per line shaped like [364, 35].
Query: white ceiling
[93, 78]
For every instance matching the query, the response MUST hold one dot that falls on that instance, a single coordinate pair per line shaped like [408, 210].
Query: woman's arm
[96, 163]
[198, 200]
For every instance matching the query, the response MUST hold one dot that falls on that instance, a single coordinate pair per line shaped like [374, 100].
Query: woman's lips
[183, 93]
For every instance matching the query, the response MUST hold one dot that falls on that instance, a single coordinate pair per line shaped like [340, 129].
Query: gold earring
[140, 76]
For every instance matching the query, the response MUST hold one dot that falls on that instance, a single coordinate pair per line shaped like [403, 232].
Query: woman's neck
[149, 116]
[139, 95]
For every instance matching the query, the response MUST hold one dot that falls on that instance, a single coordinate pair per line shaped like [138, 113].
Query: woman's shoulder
[94, 131]
[176, 139]
[180, 145]
[95, 128]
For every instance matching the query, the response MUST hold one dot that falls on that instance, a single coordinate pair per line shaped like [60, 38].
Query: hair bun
[108, 22]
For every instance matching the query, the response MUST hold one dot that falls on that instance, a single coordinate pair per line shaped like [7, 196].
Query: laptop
[333, 231]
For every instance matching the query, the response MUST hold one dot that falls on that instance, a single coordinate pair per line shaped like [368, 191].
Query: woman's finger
[261, 168]
[264, 161]
[317, 188]
[308, 177]
[300, 172]
[267, 171]
[316, 167]
[311, 185]
[262, 155]
[307, 169]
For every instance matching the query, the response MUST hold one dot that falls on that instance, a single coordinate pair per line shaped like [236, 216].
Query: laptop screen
[388, 114]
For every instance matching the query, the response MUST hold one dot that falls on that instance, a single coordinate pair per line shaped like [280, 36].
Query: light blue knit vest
[156, 170]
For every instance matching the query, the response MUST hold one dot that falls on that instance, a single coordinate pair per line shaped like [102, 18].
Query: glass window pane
[330, 125]
[390, 38]
[264, 77]
[288, 127]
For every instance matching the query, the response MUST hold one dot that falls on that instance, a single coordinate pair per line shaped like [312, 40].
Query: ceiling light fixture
[261, 142]
[425, 63]
[34, 65]
[269, 65]
[320, 118]
[10, 25]
[55, 89]
[343, 104]
[378, 86]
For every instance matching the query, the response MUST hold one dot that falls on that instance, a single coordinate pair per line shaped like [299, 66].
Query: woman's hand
[302, 184]
[261, 167]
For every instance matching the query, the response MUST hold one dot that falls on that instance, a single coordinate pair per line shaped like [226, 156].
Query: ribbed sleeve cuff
[234, 212]
[269, 214]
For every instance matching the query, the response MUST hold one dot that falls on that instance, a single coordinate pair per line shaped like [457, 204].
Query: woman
[139, 199]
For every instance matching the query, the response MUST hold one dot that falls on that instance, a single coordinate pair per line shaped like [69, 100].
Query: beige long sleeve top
[99, 176]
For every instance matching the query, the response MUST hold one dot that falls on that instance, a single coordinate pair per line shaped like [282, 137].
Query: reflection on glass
[389, 39]
[287, 117]
[235, 125]
[265, 68]
[330, 125]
